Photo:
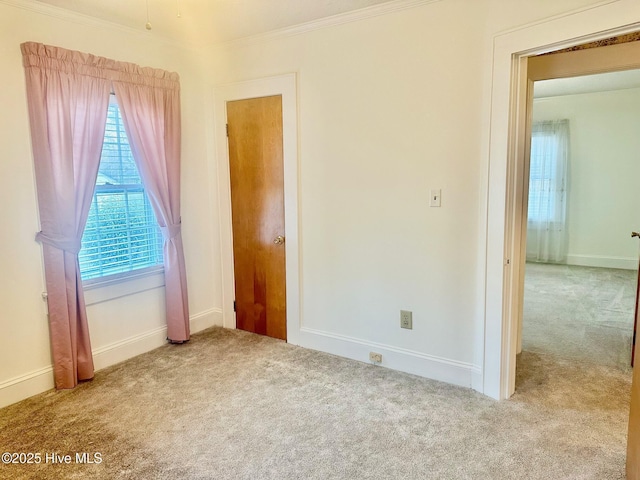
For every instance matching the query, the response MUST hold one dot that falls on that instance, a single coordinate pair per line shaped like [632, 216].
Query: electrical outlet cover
[406, 319]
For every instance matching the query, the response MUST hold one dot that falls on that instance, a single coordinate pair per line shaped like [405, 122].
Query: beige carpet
[582, 313]
[232, 405]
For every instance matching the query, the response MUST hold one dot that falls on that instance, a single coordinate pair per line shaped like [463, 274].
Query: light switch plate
[435, 196]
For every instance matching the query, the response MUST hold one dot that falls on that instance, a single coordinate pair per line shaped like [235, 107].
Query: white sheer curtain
[546, 222]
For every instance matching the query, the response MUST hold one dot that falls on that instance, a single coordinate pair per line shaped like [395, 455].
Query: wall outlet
[406, 319]
[375, 357]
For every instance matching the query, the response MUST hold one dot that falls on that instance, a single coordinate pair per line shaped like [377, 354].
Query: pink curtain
[67, 112]
[68, 96]
[151, 115]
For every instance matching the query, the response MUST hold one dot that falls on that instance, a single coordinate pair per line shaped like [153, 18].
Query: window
[546, 230]
[121, 234]
[547, 171]
[542, 170]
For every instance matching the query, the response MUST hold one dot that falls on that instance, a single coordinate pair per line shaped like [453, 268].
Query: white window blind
[542, 176]
[548, 170]
[121, 234]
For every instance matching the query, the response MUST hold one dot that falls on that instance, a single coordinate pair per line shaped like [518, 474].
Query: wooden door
[633, 437]
[257, 211]
[635, 317]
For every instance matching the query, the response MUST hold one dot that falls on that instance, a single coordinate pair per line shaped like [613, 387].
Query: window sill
[103, 289]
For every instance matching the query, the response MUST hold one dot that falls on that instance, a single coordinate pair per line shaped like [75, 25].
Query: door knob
[279, 240]
[635, 234]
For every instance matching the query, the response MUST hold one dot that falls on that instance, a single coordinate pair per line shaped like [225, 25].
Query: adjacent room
[272, 239]
[581, 275]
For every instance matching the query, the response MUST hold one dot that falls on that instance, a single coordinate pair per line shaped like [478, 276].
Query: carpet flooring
[233, 405]
[579, 313]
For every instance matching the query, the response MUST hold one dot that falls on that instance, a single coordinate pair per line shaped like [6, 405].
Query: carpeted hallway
[232, 405]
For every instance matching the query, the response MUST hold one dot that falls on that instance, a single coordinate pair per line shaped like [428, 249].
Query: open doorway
[579, 258]
[581, 262]
[506, 256]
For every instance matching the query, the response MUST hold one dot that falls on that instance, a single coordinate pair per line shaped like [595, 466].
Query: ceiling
[206, 22]
[211, 21]
[601, 82]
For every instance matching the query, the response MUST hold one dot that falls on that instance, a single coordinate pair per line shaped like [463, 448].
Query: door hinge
[234, 306]
[227, 130]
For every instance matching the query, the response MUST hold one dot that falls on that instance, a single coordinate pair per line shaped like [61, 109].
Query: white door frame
[284, 85]
[506, 169]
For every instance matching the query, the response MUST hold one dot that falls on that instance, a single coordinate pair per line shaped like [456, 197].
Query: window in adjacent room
[547, 176]
[121, 234]
[546, 230]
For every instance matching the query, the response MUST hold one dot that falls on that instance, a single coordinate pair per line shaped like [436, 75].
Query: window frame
[123, 284]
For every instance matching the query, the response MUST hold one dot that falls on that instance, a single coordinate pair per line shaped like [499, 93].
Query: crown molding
[332, 21]
[86, 20]
[621, 30]
[558, 16]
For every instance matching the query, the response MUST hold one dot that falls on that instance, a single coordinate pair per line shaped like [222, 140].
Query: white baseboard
[477, 379]
[128, 348]
[603, 261]
[41, 380]
[429, 366]
[25, 386]
[203, 320]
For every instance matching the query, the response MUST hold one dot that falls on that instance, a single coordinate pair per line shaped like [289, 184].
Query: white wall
[377, 130]
[602, 192]
[129, 324]
[390, 107]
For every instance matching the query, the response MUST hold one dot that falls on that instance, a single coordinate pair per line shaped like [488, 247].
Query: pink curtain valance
[47, 57]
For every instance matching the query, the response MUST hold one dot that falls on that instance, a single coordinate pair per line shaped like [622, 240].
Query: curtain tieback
[171, 231]
[68, 244]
